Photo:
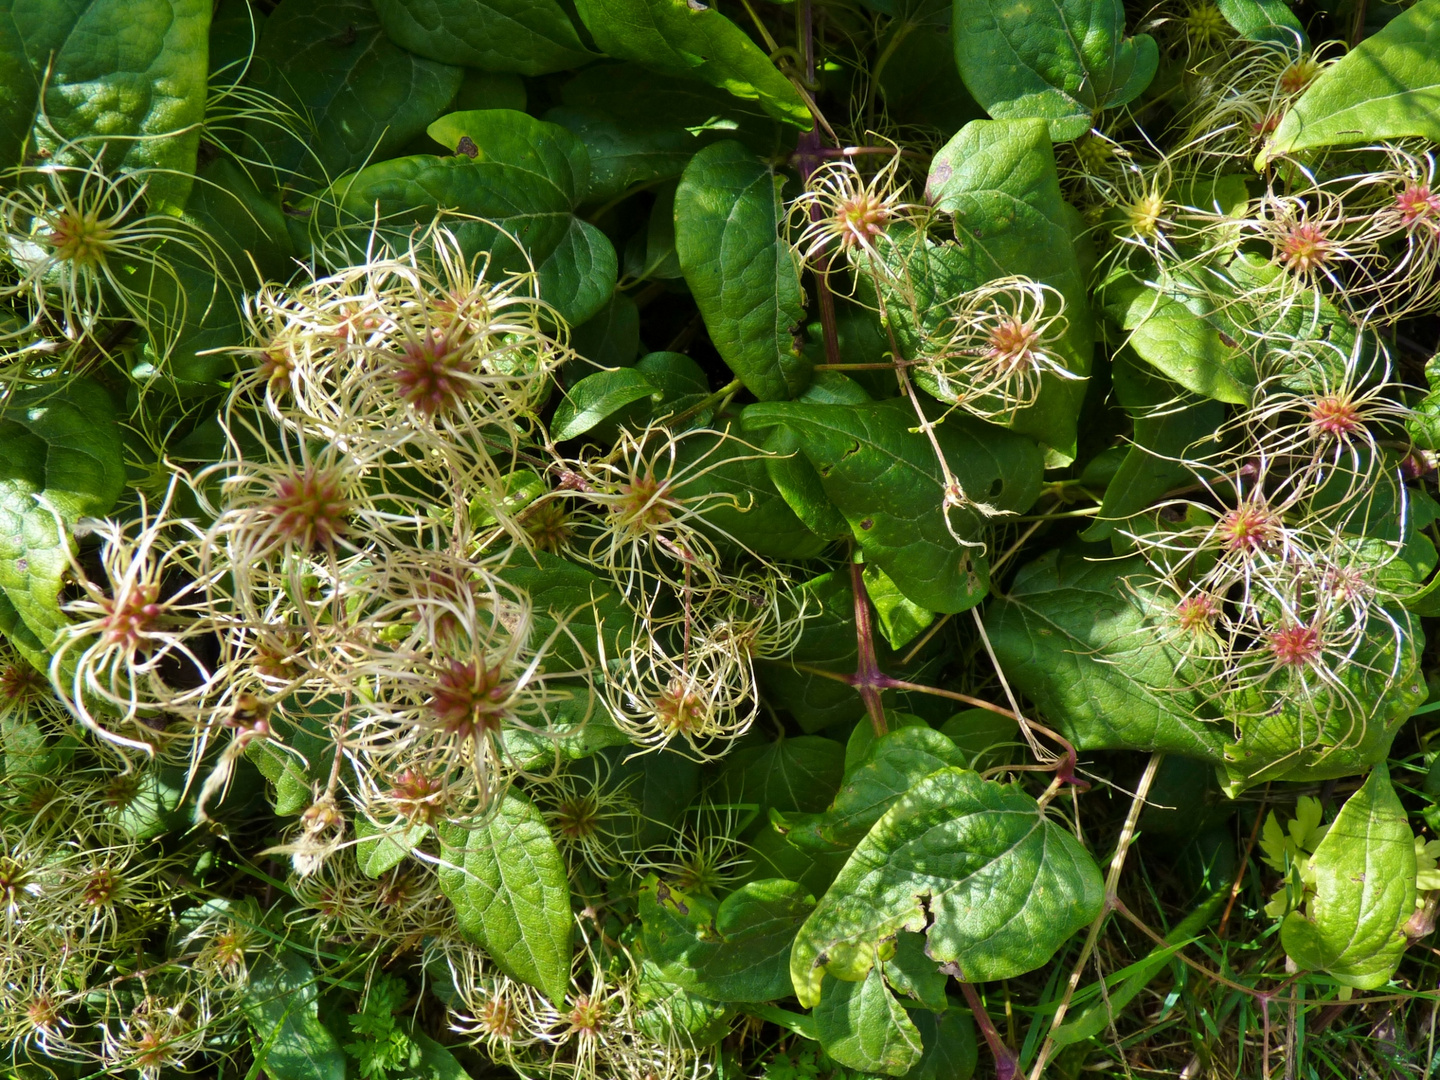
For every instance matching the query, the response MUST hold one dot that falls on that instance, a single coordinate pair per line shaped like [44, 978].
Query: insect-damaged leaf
[511, 894]
[997, 886]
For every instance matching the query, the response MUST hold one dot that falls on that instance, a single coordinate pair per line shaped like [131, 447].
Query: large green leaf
[1353, 927]
[1061, 61]
[1078, 638]
[511, 895]
[123, 83]
[995, 884]
[532, 37]
[862, 1026]
[737, 950]
[59, 461]
[998, 179]
[882, 475]
[595, 397]
[745, 281]
[896, 762]
[363, 96]
[1167, 423]
[788, 775]
[281, 1002]
[641, 127]
[677, 38]
[523, 177]
[1386, 87]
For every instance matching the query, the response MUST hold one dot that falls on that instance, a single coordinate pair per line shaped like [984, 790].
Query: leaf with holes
[995, 884]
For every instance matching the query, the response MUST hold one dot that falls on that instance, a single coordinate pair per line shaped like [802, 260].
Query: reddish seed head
[497, 1019]
[577, 818]
[1011, 345]
[276, 365]
[678, 710]
[587, 1017]
[42, 1012]
[130, 619]
[414, 795]
[431, 374]
[1294, 646]
[1248, 528]
[1196, 612]
[1304, 247]
[861, 218]
[1335, 416]
[20, 683]
[100, 888]
[309, 508]
[470, 700]
[642, 502]
[1417, 204]
[82, 239]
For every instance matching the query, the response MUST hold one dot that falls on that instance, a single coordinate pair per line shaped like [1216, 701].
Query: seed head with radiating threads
[1304, 247]
[1295, 646]
[308, 507]
[469, 699]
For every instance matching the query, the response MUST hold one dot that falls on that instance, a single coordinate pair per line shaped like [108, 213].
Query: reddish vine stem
[1007, 1065]
[868, 678]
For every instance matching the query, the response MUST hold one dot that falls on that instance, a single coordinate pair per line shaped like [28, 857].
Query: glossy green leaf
[531, 37]
[363, 96]
[595, 397]
[610, 338]
[1424, 422]
[562, 593]
[996, 885]
[1386, 87]
[737, 950]
[862, 1026]
[1182, 335]
[378, 851]
[746, 512]
[998, 179]
[280, 1001]
[693, 43]
[1265, 20]
[522, 185]
[901, 619]
[950, 1049]
[894, 764]
[641, 127]
[790, 774]
[60, 460]
[744, 277]
[1167, 423]
[511, 894]
[912, 973]
[123, 84]
[883, 476]
[1061, 62]
[1353, 927]
[1076, 636]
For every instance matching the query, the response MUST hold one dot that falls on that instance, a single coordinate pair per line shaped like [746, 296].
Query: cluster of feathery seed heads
[683, 675]
[602, 1029]
[986, 350]
[81, 893]
[1275, 579]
